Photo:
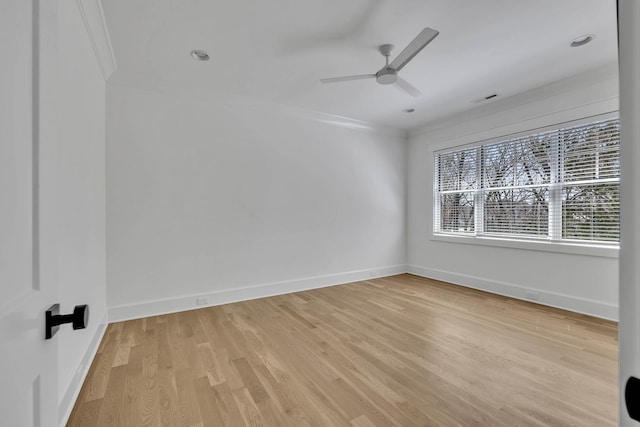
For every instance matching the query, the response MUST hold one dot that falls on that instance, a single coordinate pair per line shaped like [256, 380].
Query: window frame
[551, 244]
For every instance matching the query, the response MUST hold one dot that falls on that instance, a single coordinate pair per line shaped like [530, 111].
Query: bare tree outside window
[458, 181]
[517, 174]
[591, 168]
[513, 187]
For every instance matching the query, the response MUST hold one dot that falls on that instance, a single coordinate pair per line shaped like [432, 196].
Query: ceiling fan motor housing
[387, 76]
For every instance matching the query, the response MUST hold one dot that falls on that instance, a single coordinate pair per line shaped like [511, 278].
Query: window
[557, 185]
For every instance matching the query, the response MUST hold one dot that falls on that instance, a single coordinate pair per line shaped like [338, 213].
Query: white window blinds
[590, 172]
[560, 185]
[458, 172]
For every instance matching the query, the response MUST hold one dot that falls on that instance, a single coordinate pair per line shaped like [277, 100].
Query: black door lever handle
[53, 319]
[632, 397]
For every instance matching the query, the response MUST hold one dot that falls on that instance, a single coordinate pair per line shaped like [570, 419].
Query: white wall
[81, 197]
[238, 202]
[577, 282]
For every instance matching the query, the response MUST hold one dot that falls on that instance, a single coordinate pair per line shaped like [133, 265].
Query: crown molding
[248, 103]
[93, 18]
[245, 102]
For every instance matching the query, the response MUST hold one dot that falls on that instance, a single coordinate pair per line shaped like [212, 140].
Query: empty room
[296, 213]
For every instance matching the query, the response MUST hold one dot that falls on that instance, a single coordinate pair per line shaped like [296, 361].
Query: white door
[629, 45]
[28, 363]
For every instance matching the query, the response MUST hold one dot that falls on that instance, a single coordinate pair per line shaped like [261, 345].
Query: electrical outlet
[532, 296]
[202, 300]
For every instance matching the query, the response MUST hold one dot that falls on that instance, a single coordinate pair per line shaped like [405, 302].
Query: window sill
[604, 251]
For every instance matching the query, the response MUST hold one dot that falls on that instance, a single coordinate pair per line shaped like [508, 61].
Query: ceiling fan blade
[413, 48]
[407, 87]
[347, 78]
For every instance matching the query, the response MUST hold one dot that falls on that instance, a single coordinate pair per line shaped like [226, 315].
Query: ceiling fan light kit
[388, 74]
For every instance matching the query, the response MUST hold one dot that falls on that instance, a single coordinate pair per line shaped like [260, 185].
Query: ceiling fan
[389, 73]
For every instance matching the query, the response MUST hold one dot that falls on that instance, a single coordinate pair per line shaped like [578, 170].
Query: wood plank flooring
[397, 351]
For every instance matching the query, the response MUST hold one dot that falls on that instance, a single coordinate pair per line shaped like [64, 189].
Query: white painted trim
[71, 395]
[594, 250]
[629, 340]
[443, 140]
[575, 116]
[98, 32]
[231, 295]
[551, 299]
[245, 293]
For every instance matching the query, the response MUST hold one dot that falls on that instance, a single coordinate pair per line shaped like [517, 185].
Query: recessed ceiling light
[582, 40]
[200, 55]
[408, 110]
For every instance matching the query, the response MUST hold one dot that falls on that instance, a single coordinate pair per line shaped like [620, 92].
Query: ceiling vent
[582, 40]
[200, 55]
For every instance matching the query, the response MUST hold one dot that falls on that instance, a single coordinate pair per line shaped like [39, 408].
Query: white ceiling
[277, 50]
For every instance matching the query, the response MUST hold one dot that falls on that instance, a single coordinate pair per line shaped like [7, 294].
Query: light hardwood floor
[402, 350]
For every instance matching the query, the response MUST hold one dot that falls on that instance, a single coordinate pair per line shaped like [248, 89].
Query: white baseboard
[68, 400]
[552, 299]
[226, 296]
